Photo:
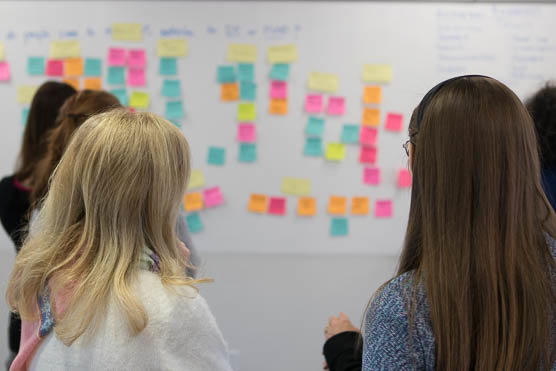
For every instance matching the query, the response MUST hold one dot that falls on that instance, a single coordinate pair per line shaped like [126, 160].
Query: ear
[411, 150]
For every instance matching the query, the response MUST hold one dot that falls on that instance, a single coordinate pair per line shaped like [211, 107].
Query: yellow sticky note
[307, 206]
[242, 53]
[127, 31]
[25, 93]
[172, 48]
[73, 82]
[337, 205]
[229, 92]
[296, 186]
[257, 203]
[196, 179]
[360, 205]
[65, 49]
[380, 73]
[73, 66]
[2, 52]
[139, 99]
[335, 152]
[193, 201]
[282, 53]
[278, 107]
[246, 112]
[325, 82]
[92, 83]
[372, 94]
[371, 117]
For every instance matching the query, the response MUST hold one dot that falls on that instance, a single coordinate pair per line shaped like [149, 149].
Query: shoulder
[551, 244]
[395, 296]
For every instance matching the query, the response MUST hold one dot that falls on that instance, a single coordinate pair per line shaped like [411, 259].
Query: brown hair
[73, 113]
[476, 237]
[542, 107]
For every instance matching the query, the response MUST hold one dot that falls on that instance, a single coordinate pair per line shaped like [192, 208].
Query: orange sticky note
[360, 205]
[257, 203]
[229, 92]
[74, 66]
[337, 205]
[306, 206]
[278, 107]
[93, 83]
[372, 94]
[371, 117]
[193, 201]
[73, 82]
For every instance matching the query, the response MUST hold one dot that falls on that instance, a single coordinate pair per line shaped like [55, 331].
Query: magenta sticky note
[367, 155]
[367, 136]
[136, 58]
[336, 106]
[135, 76]
[55, 67]
[4, 71]
[383, 209]
[404, 178]
[277, 206]
[313, 103]
[394, 122]
[116, 57]
[213, 197]
[371, 175]
[246, 133]
[278, 89]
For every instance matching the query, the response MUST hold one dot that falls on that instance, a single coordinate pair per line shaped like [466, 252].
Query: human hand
[186, 252]
[338, 324]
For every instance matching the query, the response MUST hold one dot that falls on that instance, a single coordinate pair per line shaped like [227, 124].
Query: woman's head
[42, 117]
[542, 107]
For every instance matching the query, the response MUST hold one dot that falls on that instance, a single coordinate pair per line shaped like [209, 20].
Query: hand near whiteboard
[342, 349]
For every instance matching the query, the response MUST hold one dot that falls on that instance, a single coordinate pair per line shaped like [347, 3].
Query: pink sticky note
[383, 209]
[394, 122]
[55, 67]
[278, 89]
[4, 71]
[371, 175]
[246, 133]
[136, 58]
[135, 76]
[116, 57]
[367, 155]
[277, 206]
[404, 178]
[336, 106]
[367, 136]
[213, 197]
[313, 103]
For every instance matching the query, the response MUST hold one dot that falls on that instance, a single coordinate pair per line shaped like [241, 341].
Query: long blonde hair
[116, 190]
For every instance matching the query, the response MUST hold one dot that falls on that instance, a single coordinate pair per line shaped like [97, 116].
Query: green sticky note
[171, 88]
[93, 67]
[121, 94]
[313, 147]
[315, 127]
[247, 90]
[350, 133]
[245, 72]
[280, 72]
[226, 74]
[194, 223]
[35, 66]
[174, 110]
[339, 227]
[24, 115]
[335, 152]
[168, 66]
[247, 152]
[246, 112]
[216, 156]
[116, 75]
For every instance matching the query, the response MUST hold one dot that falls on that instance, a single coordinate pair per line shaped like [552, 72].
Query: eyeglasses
[406, 147]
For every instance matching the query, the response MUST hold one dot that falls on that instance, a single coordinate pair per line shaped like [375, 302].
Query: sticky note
[296, 186]
[171, 47]
[360, 205]
[257, 203]
[193, 201]
[278, 107]
[313, 147]
[216, 156]
[394, 122]
[242, 53]
[325, 82]
[24, 115]
[368, 136]
[72, 81]
[116, 57]
[194, 223]
[335, 152]
[380, 73]
[337, 205]
[92, 83]
[383, 209]
[247, 152]
[213, 197]
[246, 133]
[176, 122]
[116, 75]
[136, 58]
[168, 66]
[367, 155]
[280, 72]
[139, 99]
[64, 49]
[277, 206]
[2, 52]
[350, 133]
[371, 117]
[247, 90]
[25, 93]
[371, 175]
[55, 67]
[278, 89]
[174, 110]
[245, 72]
[313, 103]
[93, 67]
[315, 127]
[404, 178]
[336, 106]
[171, 88]
[229, 92]
[372, 94]
[35, 66]
[127, 31]
[121, 94]
[73, 67]
[282, 53]
[4, 71]
[226, 74]
[339, 227]
[196, 179]
[246, 112]
[135, 76]
[306, 206]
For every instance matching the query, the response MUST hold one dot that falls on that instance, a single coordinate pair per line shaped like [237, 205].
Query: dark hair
[42, 117]
[542, 107]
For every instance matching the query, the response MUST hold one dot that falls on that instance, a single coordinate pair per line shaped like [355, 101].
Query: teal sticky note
[247, 152]
[171, 88]
[24, 115]
[116, 75]
[194, 223]
[313, 147]
[350, 133]
[315, 127]
[121, 94]
[174, 110]
[35, 66]
[168, 66]
[93, 67]
[245, 72]
[176, 122]
[216, 156]
[226, 74]
[339, 227]
[280, 72]
[247, 90]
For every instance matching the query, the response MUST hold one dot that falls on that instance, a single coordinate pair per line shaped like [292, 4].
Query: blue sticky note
[339, 227]
[121, 94]
[116, 75]
[171, 88]
[24, 115]
[35, 66]
[194, 223]
[168, 66]
[216, 156]
[247, 152]
[313, 147]
[247, 90]
[226, 74]
[315, 127]
[93, 67]
[174, 110]
[245, 72]
[350, 133]
[280, 72]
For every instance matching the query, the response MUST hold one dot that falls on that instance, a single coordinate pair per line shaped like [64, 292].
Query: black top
[14, 208]
[344, 351]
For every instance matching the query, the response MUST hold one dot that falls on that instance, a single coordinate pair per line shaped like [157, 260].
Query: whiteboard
[424, 44]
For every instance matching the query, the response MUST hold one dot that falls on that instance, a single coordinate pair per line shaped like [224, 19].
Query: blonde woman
[100, 283]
